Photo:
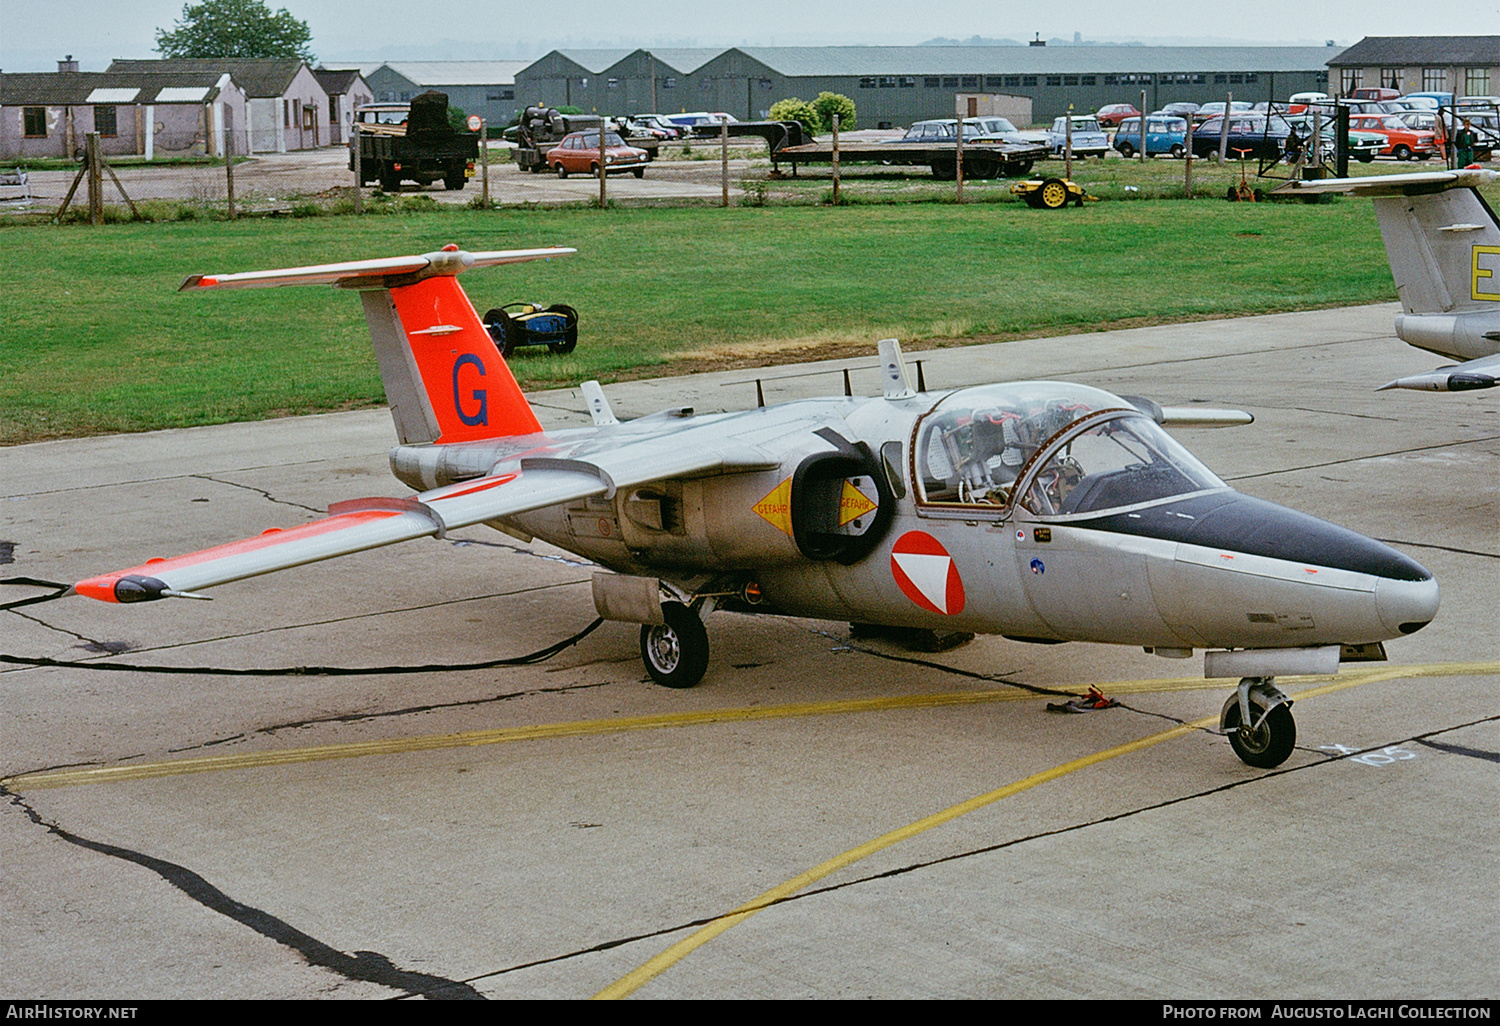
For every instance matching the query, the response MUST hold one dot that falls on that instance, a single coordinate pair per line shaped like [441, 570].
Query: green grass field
[95, 339]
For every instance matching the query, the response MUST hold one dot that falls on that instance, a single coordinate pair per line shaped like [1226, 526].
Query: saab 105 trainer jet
[1041, 511]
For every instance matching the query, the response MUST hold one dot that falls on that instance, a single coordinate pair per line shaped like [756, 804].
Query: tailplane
[1443, 243]
[444, 377]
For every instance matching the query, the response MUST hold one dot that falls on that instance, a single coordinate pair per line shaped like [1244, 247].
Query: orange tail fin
[443, 375]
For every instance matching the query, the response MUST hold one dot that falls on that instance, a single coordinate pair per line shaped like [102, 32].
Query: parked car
[992, 127]
[1363, 146]
[1088, 138]
[1303, 99]
[1433, 100]
[578, 153]
[1180, 109]
[1216, 109]
[661, 124]
[637, 128]
[1163, 135]
[1261, 136]
[1422, 121]
[1111, 114]
[1370, 106]
[701, 117]
[1374, 93]
[938, 132]
[1403, 105]
[1401, 142]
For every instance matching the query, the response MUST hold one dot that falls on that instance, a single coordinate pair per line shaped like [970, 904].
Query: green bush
[828, 104]
[793, 109]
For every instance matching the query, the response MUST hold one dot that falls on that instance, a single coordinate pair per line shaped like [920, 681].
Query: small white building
[48, 114]
[288, 107]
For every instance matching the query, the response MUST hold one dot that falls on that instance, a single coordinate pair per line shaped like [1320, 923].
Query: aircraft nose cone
[1406, 606]
[1390, 596]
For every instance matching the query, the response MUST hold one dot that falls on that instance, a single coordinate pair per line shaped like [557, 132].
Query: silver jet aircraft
[1038, 510]
[1443, 242]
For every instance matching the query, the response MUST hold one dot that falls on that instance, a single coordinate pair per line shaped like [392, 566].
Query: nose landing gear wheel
[675, 652]
[1266, 746]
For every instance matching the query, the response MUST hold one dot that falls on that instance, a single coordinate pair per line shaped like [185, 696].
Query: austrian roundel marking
[926, 573]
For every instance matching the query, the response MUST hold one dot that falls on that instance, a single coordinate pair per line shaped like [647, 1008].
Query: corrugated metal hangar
[895, 85]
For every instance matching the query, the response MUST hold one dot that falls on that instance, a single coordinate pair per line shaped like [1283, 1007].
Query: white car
[1088, 139]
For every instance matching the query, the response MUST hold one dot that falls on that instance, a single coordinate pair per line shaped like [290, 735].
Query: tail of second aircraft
[1443, 243]
[444, 377]
[1444, 249]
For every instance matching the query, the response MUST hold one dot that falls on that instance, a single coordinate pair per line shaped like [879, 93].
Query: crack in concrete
[1472, 753]
[386, 714]
[90, 644]
[913, 867]
[1440, 548]
[142, 649]
[1362, 459]
[360, 966]
[259, 491]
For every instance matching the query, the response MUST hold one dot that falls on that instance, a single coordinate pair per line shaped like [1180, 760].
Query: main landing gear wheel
[675, 652]
[1267, 740]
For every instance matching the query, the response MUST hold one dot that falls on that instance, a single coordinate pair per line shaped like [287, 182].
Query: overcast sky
[34, 35]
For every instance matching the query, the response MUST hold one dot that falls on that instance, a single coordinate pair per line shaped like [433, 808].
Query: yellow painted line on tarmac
[73, 777]
[634, 980]
[353, 750]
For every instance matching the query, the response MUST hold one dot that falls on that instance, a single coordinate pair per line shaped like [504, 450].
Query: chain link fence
[319, 182]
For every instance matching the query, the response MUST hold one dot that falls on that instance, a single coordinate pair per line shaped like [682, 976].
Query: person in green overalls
[1463, 145]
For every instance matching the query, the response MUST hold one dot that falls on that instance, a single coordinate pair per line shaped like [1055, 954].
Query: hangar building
[486, 88]
[895, 85]
[1461, 65]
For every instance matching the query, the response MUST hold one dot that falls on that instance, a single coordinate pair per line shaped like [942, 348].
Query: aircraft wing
[369, 523]
[1463, 377]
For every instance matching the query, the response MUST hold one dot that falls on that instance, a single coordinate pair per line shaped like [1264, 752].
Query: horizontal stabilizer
[1414, 184]
[373, 274]
[1463, 377]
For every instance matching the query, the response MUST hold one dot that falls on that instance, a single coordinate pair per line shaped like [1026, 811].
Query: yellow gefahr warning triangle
[776, 508]
[853, 504]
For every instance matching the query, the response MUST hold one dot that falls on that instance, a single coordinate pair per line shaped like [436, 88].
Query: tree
[828, 104]
[793, 109]
[235, 28]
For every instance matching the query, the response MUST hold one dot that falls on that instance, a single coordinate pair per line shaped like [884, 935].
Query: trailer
[411, 142]
[980, 160]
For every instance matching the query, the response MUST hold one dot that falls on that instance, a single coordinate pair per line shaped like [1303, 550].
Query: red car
[1402, 142]
[1111, 114]
[579, 153]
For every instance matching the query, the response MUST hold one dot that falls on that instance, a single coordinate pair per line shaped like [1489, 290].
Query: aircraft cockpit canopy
[1051, 449]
